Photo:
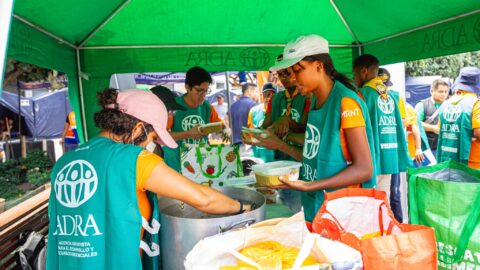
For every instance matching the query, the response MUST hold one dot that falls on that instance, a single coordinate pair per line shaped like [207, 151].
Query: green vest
[183, 121]
[95, 221]
[322, 151]
[455, 138]
[279, 107]
[258, 115]
[388, 134]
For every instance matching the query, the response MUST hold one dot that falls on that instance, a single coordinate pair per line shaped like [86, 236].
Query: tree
[445, 66]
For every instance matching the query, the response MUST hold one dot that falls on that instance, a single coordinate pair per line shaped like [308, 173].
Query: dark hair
[365, 61]
[115, 121]
[437, 83]
[197, 76]
[246, 86]
[330, 69]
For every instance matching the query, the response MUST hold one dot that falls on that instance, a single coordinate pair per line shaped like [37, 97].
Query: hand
[436, 130]
[281, 126]
[196, 132]
[268, 140]
[247, 207]
[296, 184]
[419, 157]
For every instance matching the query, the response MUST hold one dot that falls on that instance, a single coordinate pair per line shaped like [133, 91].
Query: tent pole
[345, 22]
[80, 89]
[230, 120]
[201, 46]
[6, 8]
[46, 32]
[100, 26]
[422, 27]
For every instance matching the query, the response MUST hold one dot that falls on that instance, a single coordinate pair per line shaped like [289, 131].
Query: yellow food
[270, 255]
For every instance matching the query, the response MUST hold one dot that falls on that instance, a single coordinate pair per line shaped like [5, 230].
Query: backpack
[31, 254]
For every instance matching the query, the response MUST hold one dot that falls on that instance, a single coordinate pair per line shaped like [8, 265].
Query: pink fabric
[146, 106]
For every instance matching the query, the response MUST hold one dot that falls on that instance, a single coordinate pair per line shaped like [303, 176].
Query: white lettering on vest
[350, 113]
[387, 121]
[450, 128]
[310, 173]
[389, 145]
[450, 149]
[73, 225]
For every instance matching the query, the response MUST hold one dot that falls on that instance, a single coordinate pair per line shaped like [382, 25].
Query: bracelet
[241, 208]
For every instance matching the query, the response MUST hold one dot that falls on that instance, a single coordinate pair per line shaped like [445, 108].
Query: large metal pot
[182, 226]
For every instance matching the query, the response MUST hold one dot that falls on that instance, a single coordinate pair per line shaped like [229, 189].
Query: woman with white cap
[337, 148]
[102, 208]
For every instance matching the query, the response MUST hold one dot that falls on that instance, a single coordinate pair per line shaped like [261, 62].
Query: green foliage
[445, 66]
[34, 169]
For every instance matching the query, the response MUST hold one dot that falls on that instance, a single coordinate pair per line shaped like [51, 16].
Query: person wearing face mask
[103, 204]
[185, 127]
[337, 150]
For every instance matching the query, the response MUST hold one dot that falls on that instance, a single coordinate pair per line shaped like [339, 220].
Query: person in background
[185, 128]
[222, 108]
[387, 111]
[240, 110]
[427, 111]
[70, 139]
[256, 117]
[104, 194]
[459, 137]
[337, 150]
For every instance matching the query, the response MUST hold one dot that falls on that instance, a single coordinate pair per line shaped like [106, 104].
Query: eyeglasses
[201, 91]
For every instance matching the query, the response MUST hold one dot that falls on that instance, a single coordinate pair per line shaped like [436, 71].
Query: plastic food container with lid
[269, 173]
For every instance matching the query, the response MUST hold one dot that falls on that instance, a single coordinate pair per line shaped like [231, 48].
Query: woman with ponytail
[337, 150]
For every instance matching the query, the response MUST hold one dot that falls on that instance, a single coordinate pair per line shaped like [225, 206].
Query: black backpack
[32, 252]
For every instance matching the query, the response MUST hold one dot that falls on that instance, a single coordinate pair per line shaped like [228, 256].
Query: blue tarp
[44, 114]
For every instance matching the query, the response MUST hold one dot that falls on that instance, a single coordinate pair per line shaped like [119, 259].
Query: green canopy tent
[91, 40]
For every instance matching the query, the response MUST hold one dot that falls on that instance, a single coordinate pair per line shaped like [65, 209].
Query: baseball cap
[167, 97]
[269, 87]
[468, 80]
[297, 49]
[146, 106]
[385, 76]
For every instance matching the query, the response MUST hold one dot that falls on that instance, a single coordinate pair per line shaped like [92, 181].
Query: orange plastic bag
[362, 219]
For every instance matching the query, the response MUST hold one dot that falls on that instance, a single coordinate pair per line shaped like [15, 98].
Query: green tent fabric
[94, 39]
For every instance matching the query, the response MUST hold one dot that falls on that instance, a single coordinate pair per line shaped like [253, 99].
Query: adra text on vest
[309, 172]
[471, 260]
[75, 225]
[450, 128]
[387, 121]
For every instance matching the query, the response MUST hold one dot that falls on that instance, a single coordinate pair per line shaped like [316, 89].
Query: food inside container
[247, 135]
[269, 173]
[270, 194]
[214, 127]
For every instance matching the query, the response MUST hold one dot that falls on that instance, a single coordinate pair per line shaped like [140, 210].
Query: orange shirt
[351, 117]
[474, 159]
[146, 162]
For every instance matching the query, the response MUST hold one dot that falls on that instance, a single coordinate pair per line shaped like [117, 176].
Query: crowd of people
[346, 134]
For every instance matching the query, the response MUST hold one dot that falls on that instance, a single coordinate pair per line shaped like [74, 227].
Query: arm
[62, 141]
[268, 115]
[169, 183]
[361, 169]
[274, 143]
[297, 138]
[476, 133]
[419, 157]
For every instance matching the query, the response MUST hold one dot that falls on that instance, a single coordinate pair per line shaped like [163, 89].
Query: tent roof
[205, 22]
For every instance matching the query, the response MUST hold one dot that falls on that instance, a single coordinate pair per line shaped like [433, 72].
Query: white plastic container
[244, 181]
[269, 173]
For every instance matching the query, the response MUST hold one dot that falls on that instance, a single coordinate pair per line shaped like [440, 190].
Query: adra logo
[293, 114]
[312, 142]
[191, 121]
[76, 183]
[452, 112]
[386, 105]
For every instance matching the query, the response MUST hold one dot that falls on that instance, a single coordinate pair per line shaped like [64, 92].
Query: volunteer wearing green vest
[103, 203]
[256, 117]
[427, 111]
[459, 137]
[386, 119]
[185, 128]
[336, 151]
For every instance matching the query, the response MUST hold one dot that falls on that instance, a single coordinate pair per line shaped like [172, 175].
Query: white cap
[297, 49]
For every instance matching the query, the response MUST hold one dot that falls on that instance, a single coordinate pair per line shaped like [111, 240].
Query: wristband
[241, 208]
